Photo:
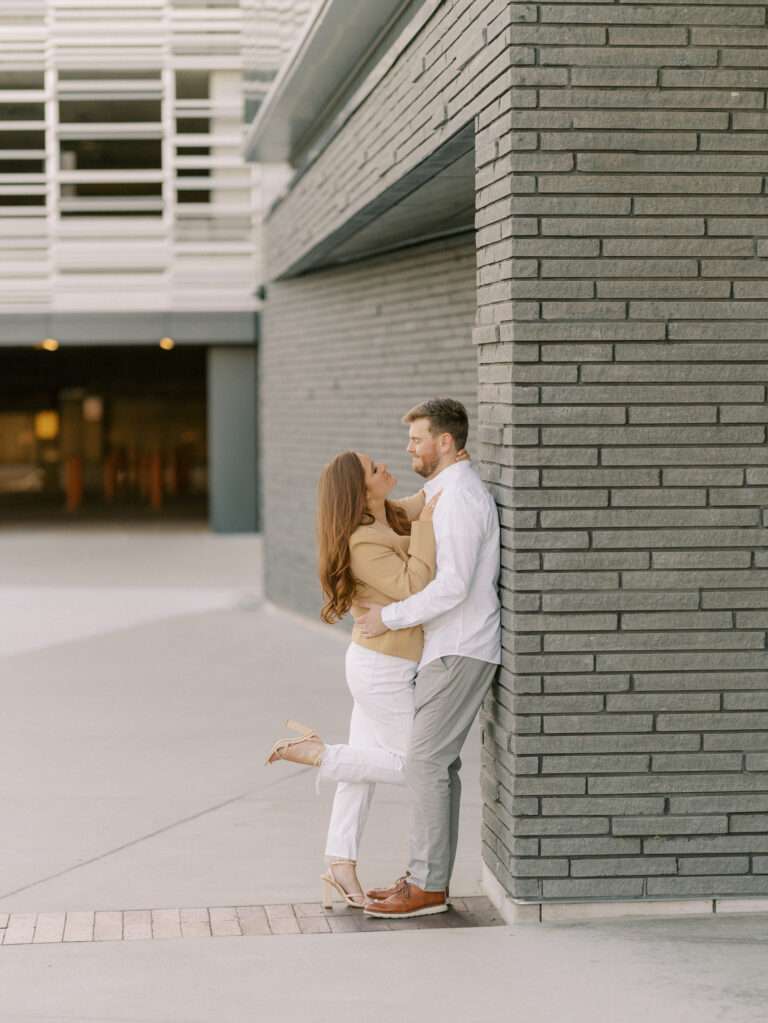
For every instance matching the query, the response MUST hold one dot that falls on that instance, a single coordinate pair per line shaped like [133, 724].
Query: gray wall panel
[232, 440]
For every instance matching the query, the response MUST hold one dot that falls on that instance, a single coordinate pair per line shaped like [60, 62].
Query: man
[459, 611]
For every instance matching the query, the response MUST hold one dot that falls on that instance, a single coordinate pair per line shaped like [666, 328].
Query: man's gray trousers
[449, 693]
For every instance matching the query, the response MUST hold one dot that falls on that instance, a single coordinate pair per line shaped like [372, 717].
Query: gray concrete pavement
[684, 971]
[142, 683]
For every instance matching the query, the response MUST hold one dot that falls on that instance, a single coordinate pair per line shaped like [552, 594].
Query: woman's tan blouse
[390, 567]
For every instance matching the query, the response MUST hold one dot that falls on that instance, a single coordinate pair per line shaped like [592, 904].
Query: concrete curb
[517, 912]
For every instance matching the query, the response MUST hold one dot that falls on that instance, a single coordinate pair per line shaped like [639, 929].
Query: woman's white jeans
[382, 689]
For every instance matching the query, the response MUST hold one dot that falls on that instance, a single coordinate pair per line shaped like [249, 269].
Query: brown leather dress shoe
[379, 894]
[409, 900]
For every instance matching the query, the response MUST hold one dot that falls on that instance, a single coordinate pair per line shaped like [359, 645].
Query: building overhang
[129, 328]
[333, 44]
[435, 199]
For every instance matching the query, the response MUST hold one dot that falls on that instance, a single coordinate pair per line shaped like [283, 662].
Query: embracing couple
[419, 575]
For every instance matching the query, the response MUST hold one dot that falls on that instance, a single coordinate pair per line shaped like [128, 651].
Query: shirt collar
[447, 475]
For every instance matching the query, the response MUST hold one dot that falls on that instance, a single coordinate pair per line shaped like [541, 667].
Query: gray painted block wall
[345, 353]
[622, 219]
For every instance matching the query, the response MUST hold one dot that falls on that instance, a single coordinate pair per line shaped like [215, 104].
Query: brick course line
[228, 921]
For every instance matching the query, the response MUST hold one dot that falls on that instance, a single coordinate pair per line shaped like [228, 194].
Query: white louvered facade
[123, 185]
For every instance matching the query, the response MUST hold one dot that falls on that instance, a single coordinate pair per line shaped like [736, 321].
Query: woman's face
[379, 481]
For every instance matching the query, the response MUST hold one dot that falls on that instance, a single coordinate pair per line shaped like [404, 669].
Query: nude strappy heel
[276, 753]
[330, 884]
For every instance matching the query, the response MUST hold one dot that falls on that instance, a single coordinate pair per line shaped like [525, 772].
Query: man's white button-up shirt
[459, 609]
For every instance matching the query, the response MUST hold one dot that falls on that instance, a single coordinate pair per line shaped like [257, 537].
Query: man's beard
[427, 467]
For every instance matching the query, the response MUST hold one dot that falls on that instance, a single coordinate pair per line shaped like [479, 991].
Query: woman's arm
[412, 505]
[374, 563]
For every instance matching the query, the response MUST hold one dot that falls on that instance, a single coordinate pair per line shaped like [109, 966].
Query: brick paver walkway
[221, 922]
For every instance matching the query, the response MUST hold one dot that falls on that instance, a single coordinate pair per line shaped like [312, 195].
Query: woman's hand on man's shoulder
[428, 511]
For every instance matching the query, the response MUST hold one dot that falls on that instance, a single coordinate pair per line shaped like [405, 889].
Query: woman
[375, 550]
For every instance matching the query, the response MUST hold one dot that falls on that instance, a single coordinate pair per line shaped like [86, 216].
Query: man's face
[423, 448]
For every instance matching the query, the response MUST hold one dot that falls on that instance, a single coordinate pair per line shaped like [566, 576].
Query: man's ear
[447, 443]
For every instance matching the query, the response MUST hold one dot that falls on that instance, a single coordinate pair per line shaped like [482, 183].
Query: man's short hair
[445, 415]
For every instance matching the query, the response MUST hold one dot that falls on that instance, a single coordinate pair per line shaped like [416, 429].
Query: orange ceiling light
[47, 425]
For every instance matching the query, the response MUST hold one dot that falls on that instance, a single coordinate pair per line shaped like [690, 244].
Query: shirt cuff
[389, 616]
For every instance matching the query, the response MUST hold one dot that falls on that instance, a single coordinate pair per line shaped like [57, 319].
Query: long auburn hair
[341, 508]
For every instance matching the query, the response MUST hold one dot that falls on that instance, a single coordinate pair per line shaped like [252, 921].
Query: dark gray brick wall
[622, 233]
[345, 353]
[622, 365]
